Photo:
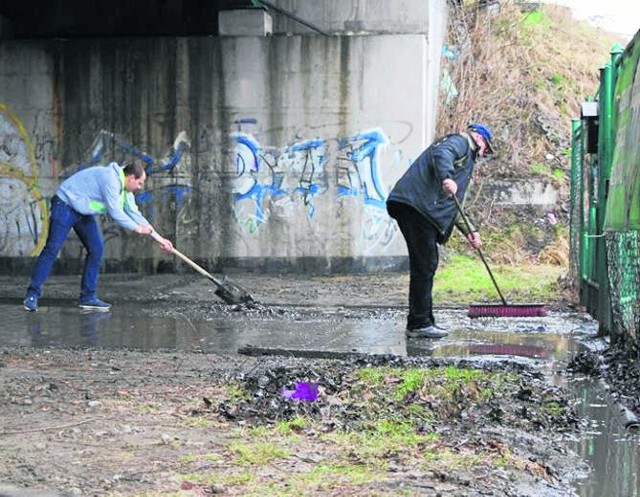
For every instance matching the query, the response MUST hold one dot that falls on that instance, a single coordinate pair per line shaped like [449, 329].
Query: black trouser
[421, 237]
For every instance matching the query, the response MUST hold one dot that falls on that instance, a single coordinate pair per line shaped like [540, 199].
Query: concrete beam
[245, 22]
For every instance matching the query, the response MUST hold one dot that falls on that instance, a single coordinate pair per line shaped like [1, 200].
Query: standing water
[611, 451]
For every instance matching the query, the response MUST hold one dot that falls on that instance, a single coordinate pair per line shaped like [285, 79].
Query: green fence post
[603, 303]
[576, 202]
[605, 153]
[605, 314]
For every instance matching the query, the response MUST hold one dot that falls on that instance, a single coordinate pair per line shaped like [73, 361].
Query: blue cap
[486, 133]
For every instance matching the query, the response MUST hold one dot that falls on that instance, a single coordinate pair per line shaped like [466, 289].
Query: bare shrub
[524, 74]
[556, 253]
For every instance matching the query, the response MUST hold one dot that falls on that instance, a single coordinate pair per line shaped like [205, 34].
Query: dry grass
[525, 74]
[556, 253]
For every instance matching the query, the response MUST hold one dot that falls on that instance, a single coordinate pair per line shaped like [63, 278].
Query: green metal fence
[605, 197]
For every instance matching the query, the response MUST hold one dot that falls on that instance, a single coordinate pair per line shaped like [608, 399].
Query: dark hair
[134, 168]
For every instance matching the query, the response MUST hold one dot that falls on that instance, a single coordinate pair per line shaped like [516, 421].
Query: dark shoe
[31, 303]
[95, 304]
[428, 332]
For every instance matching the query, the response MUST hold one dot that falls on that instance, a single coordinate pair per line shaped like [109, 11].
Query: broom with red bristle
[503, 310]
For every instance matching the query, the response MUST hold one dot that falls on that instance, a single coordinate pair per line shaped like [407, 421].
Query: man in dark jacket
[421, 203]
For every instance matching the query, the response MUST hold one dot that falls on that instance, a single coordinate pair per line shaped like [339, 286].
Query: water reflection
[129, 329]
[547, 348]
[89, 326]
[45, 328]
[612, 452]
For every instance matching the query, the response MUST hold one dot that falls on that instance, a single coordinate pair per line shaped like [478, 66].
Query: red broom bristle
[506, 311]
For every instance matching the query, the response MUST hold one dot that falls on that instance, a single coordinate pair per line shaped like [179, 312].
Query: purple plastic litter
[303, 391]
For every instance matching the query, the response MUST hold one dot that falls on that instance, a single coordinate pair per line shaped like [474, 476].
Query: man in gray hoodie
[421, 204]
[79, 199]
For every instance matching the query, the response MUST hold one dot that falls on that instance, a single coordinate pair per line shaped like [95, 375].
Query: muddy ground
[97, 422]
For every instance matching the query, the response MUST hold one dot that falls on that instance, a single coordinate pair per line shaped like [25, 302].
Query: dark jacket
[452, 156]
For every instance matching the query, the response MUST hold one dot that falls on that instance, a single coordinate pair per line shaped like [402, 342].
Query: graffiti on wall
[106, 141]
[24, 216]
[107, 145]
[268, 175]
[271, 181]
[358, 175]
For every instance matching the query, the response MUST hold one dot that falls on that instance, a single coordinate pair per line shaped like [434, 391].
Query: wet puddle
[610, 449]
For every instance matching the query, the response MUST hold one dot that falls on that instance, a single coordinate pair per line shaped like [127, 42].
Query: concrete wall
[359, 17]
[265, 152]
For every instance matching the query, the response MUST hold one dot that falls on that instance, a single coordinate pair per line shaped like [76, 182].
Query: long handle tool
[227, 290]
[498, 310]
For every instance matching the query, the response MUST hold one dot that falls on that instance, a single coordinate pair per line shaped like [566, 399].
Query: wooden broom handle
[195, 266]
[468, 224]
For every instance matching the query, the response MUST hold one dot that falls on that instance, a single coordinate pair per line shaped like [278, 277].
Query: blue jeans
[421, 237]
[62, 219]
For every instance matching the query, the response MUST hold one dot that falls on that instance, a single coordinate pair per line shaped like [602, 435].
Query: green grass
[539, 169]
[351, 473]
[199, 422]
[395, 420]
[259, 453]
[215, 478]
[538, 19]
[559, 174]
[553, 409]
[544, 170]
[557, 79]
[375, 442]
[321, 479]
[411, 389]
[235, 391]
[463, 278]
[294, 425]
